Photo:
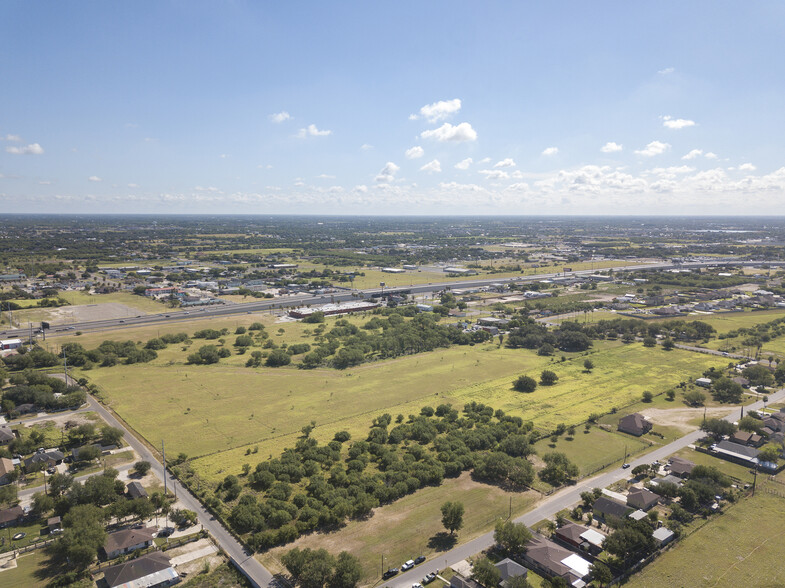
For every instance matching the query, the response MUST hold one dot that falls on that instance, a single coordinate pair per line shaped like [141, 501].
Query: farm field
[412, 526]
[742, 547]
[220, 412]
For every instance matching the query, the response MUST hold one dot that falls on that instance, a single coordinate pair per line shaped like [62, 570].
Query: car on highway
[389, 573]
[408, 565]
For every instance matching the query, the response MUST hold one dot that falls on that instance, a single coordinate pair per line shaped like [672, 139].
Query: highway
[564, 498]
[221, 310]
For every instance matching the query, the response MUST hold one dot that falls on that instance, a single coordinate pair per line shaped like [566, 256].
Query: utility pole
[163, 453]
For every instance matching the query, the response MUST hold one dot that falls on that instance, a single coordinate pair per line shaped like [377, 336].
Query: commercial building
[328, 309]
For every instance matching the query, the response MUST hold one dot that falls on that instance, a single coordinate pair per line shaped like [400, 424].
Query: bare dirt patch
[91, 312]
[680, 418]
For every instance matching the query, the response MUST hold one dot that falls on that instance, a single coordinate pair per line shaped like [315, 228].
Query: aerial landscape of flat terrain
[392, 295]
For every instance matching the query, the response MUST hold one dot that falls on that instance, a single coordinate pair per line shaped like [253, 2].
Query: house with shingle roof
[634, 424]
[152, 570]
[128, 540]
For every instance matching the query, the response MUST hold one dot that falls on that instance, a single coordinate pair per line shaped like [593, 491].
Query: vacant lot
[91, 307]
[595, 448]
[729, 321]
[412, 526]
[743, 547]
[220, 412]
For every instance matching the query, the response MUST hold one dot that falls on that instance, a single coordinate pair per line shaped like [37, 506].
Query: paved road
[564, 498]
[258, 575]
[340, 296]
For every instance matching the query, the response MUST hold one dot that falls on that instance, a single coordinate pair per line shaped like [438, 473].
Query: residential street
[562, 499]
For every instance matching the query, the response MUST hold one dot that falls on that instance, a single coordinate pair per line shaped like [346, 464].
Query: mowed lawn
[409, 526]
[742, 547]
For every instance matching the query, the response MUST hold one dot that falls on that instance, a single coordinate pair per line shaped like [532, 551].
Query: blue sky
[392, 108]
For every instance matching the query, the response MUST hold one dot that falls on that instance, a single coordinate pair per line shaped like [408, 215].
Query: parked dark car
[419, 559]
[390, 573]
[166, 531]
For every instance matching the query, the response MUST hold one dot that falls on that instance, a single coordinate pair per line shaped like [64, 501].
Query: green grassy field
[742, 547]
[30, 571]
[218, 412]
[409, 527]
[593, 449]
[730, 321]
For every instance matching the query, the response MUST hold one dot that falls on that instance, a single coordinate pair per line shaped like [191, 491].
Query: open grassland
[412, 526]
[221, 412]
[742, 547]
[593, 449]
[729, 321]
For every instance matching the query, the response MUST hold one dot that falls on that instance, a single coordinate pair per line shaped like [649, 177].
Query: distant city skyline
[360, 108]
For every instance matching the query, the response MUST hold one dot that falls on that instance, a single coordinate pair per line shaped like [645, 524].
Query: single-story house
[54, 524]
[458, 581]
[663, 536]
[510, 569]
[634, 424]
[6, 435]
[584, 538]
[136, 490]
[6, 467]
[11, 516]
[152, 570]
[24, 408]
[551, 560]
[605, 507]
[704, 382]
[47, 458]
[747, 438]
[680, 467]
[669, 479]
[641, 498]
[128, 540]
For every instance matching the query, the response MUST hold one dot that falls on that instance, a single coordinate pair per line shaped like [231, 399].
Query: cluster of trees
[311, 486]
[526, 333]
[46, 393]
[723, 389]
[208, 354]
[316, 568]
[386, 335]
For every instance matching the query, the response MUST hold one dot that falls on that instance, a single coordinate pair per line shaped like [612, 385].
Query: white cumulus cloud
[464, 163]
[550, 151]
[693, 154]
[448, 132]
[432, 166]
[280, 117]
[15, 138]
[388, 172]
[676, 123]
[32, 149]
[710, 155]
[312, 131]
[747, 167]
[666, 71]
[415, 152]
[611, 147]
[654, 148]
[504, 163]
[94, 179]
[438, 110]
[494, 174]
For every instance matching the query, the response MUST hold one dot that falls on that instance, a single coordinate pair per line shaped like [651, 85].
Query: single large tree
[511, 537]
[452, 516]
